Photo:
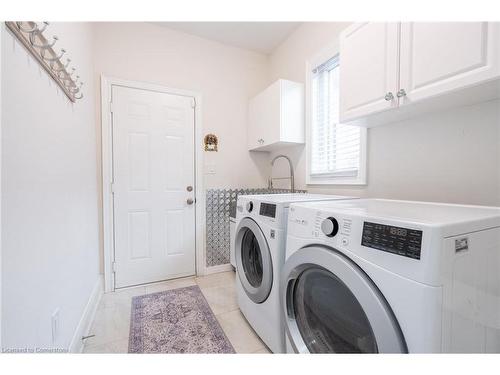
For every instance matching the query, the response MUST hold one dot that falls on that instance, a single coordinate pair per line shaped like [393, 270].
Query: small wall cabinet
[391, 70]
[276, 117]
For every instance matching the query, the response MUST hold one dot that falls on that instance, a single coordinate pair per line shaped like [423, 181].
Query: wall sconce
[211, 142]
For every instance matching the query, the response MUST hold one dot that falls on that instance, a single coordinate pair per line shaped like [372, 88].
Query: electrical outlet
[55, 325]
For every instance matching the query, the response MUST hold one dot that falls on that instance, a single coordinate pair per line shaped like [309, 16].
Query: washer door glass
[253, 260]
[330, 305]
[251, 257]
[329, 317]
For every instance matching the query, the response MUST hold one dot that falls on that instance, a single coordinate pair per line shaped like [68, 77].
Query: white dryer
[260, 237]
[374, 276]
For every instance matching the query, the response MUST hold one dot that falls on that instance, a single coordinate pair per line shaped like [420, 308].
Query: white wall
[450, 156]
[225, 76]
[49, 194]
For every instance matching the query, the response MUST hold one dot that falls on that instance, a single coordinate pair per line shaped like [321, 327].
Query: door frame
[107, 82]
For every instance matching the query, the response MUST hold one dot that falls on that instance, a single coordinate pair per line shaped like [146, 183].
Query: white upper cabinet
[368, 69]
[392, 71]
[276, 117]
[443, 56]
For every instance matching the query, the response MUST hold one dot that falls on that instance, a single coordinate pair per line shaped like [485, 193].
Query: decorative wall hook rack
[30, 34]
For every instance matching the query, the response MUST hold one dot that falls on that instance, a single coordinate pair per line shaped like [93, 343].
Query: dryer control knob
[250, 206]
[330, 227]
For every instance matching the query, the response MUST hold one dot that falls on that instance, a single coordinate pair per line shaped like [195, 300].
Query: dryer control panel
[396, 240]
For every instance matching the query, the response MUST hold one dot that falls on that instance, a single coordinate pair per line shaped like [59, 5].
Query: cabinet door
[369, 66]
[292, 112]
[441, 57]
[264, 118]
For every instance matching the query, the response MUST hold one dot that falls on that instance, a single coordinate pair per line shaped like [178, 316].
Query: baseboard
[83, 328]
[217, 269]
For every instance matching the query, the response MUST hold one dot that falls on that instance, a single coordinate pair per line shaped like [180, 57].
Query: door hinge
[113, 266]
[193, 103]
[112, 188]
[111, 107]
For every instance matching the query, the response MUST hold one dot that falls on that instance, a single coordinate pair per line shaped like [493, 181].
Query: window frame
[326, 54]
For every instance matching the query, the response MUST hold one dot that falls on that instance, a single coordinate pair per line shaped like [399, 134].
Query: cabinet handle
[389, 96]
[261, 141]
[401, 93]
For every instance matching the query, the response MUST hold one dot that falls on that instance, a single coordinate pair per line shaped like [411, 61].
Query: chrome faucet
[291, 178]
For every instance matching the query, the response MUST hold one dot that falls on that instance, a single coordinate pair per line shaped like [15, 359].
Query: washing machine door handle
[329, 304]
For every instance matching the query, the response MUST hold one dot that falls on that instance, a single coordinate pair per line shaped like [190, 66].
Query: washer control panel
[268, 209]
[396, 240]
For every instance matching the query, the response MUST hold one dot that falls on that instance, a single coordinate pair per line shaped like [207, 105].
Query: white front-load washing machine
[260, 253]
[372, 276]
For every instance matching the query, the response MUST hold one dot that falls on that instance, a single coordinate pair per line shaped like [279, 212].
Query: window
[336, 151]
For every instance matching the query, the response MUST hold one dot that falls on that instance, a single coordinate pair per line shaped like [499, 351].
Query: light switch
[210, 168]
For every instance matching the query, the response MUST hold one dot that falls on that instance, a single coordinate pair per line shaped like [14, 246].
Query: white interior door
[153, 172]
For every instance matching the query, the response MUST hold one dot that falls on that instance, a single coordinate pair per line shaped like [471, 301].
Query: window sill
[335, 181]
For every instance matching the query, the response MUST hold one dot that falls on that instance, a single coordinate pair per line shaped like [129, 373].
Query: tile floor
[112, 321]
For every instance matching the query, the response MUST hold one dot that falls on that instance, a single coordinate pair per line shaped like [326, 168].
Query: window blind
[335, 148]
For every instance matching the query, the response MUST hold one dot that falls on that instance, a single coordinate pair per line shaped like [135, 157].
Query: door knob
[401, 93]
[389, 96]
[190, 201]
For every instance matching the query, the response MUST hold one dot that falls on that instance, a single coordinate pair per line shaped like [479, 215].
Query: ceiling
[261, 37]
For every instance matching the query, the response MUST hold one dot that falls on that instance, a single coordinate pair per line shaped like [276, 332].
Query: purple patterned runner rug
[175, 321]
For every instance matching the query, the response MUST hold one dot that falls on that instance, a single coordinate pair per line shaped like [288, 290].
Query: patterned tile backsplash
[218, 207]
